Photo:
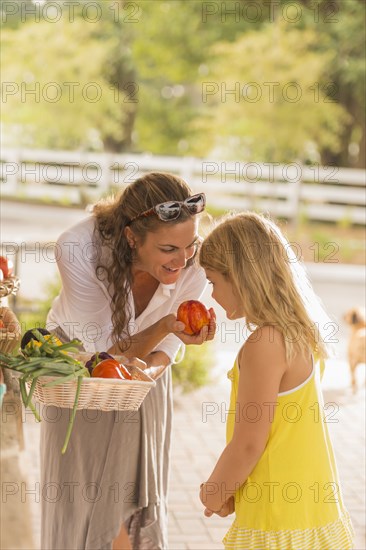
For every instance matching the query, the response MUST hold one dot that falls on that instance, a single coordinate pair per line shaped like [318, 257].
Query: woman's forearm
[143, 343]
[231, 471]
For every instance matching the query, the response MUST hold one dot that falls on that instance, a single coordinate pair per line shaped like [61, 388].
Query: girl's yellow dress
[292, 499]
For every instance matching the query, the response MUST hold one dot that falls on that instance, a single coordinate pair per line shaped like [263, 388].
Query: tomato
[97, 358]
[110, 368]
[6, 266]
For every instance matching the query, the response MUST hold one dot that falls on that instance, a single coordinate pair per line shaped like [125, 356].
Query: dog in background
[357, 341]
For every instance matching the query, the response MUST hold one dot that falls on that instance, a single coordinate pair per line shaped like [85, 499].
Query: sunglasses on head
[168, 211]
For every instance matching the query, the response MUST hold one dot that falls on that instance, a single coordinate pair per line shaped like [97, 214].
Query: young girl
[278, 470]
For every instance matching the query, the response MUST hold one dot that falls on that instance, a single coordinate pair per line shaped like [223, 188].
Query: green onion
[32, 388]
[48, 359]
[72, 417]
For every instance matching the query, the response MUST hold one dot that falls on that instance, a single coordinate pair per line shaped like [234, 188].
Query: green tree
[170, 50]
[13, 13]
[177, 49]
[341, 34]
[151, 57]
[58, 91]
[153, 54]
[263, 101]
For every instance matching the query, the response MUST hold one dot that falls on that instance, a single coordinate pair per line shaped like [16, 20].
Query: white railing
[285, 190]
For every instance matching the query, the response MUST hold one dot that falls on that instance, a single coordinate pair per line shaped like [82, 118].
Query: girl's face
[165, 252]
[224, 293]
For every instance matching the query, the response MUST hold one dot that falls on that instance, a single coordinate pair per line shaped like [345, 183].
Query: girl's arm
[262, 363]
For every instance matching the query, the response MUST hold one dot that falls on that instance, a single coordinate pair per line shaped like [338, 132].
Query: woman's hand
[154, 365]
[135, 362]
[207, 333]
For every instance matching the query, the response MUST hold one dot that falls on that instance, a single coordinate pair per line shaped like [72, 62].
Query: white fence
[285, 190]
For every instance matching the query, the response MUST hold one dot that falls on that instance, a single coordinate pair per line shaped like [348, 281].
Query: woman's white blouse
[83, 307]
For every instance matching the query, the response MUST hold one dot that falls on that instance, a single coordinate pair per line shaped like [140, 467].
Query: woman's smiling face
[165, 252]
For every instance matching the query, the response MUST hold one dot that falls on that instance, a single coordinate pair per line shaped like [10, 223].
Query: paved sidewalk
[197, 445]
[199, 435]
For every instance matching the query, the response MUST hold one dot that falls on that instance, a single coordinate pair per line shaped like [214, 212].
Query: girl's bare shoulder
[265, 345]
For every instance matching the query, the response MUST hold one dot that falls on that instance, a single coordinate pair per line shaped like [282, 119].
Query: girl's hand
[207, 333]
[227, 509]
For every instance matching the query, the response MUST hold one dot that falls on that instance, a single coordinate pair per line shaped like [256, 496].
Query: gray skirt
[116, 464]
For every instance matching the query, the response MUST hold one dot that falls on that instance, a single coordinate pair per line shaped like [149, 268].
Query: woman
[124, 271]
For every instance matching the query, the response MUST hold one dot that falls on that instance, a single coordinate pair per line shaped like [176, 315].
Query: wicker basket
[105, 394]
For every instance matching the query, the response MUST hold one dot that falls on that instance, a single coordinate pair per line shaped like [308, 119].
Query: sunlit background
[249, 80]
[261, 104]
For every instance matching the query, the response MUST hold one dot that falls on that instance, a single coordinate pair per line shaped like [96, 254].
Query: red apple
[6, 266]
[194, 315]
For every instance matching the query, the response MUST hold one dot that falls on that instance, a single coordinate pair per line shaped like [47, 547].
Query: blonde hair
[251, 252]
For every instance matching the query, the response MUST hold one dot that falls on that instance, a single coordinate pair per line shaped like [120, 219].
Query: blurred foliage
[341, 32]
[150, 58]
[193, 371]
[33, 314]
[248, 119]
[171, 55]
[63, 98]
[326, 243]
